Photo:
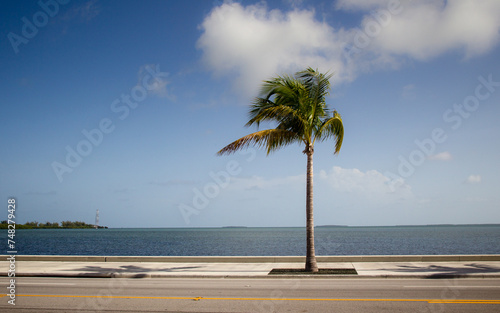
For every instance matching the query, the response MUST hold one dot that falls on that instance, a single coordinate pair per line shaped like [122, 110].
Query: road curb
[259, 259]
[302, 276]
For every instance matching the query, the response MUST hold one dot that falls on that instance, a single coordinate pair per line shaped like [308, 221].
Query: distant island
[49, 225]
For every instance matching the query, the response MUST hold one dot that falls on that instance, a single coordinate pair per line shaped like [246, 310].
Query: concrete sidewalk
[245, 267]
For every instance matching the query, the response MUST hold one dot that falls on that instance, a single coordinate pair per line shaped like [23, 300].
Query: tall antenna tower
[96, 219]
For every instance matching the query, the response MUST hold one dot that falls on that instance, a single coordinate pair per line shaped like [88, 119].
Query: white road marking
[440, 287]
[44, 284]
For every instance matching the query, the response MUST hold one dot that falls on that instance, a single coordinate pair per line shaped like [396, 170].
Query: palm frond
[281, 102]
[317, 83]
[273, 112]
[332, 127]
[298, 106]
[272, 139]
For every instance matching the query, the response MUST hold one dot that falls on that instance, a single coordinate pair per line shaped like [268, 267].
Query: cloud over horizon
[473, 179]
[443, 156]
[370, 184]
[345, 183]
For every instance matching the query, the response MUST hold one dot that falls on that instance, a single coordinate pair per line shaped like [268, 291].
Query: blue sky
[121, 106]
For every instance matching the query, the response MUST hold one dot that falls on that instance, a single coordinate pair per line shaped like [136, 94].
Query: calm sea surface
[259, 241]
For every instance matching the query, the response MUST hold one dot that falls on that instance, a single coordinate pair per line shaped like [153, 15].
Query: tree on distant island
[298, 105]
[37, 225]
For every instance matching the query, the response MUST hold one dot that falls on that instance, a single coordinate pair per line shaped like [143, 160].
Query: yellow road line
[434, 301]
[467, 301]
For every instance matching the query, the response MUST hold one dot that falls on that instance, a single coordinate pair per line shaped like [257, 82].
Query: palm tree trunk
[311, 265]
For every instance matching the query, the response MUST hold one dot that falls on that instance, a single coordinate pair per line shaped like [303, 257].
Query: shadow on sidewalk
[140, 271]
[448, 271]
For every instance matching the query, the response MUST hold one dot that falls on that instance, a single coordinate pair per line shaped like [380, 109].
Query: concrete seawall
[258, 259]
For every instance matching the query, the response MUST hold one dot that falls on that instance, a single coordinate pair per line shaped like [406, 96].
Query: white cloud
[157, 84]
[252, 43]
[443, 156]
[294, 3]
[255, 44]
[370, 184]
[83, 12]
[342, 180]
[428, 28]
[338, 187]
[360, 4]
[474, 179]
[409, 92]
[341, 196]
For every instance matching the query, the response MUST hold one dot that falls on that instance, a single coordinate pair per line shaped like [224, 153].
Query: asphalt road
[252, 295]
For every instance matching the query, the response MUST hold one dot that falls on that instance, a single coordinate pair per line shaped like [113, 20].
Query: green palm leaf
[332, 127]
[271, 139]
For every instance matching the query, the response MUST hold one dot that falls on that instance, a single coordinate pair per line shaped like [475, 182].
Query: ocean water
[404, 240]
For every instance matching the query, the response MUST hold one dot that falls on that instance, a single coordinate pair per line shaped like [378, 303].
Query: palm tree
[297, 104]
